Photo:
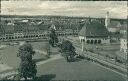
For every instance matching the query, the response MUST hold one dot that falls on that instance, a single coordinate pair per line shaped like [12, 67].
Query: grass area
[9, 54]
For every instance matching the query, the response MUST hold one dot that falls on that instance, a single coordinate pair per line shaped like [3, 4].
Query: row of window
[27, 36]
[92, 41]
[32, 36]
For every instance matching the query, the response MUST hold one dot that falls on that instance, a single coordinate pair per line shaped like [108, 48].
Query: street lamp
[127, 56]
[48, 49]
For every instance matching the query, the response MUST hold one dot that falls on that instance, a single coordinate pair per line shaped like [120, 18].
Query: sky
[117, 9]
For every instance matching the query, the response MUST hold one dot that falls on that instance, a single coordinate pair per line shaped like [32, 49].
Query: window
[88, 41]
[99, 41]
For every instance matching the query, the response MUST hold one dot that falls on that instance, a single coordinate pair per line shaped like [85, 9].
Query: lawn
[9, 54]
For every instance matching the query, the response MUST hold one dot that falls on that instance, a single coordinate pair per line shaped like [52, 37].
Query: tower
[107, 20]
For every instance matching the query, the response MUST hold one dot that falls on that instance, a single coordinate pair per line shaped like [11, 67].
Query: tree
[46, 48]
[27, 68]
[68, 50]
[53, 40]
[26, 51]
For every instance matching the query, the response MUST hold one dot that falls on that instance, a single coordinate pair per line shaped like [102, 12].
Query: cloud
[117, 11]
[67, 8]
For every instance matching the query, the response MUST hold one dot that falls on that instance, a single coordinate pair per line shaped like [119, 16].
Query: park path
[4, 67]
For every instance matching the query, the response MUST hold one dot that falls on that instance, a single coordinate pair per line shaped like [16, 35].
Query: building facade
[124, 44]
[112, 25]
[94, 33]
[124, 28]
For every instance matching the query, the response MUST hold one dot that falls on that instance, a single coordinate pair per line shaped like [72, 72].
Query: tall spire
[107, 20]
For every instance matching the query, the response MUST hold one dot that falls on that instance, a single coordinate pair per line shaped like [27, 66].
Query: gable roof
[94, 28]
[125, 36]
[1, 29]
[114, 24]
[8, 29]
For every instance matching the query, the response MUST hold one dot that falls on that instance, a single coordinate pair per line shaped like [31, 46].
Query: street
[80, 70]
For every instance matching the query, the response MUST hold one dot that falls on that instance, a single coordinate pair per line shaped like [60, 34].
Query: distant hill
[45, 16]
[49, 16]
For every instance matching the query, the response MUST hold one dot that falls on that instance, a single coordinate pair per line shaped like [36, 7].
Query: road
[80, 70]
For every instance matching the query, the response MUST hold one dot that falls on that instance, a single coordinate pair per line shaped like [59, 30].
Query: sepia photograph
[64, 40]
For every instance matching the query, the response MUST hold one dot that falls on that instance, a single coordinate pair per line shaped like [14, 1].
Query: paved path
[4, 67]
[41, 52]
[80, 70]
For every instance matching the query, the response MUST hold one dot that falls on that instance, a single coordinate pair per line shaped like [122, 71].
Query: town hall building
[94, 32]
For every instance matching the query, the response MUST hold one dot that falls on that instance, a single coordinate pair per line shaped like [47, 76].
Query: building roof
[44, 26]
[114, 24]
[94, 28]
[1, 29]
[26, 27]
[8, 29]
[124, 26]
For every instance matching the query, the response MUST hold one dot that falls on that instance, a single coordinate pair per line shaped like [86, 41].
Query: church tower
[107, 20]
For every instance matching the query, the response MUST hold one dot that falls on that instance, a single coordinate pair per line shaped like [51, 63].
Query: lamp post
[48, 48]
[127, 66]
[83, 45]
